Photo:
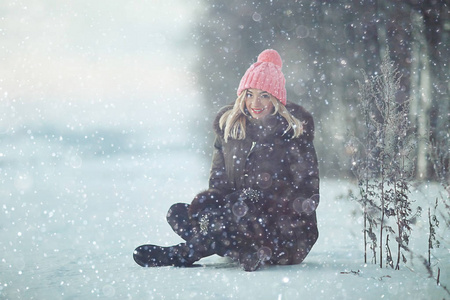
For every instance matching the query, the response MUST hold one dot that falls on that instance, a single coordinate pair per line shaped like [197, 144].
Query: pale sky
[85, 57]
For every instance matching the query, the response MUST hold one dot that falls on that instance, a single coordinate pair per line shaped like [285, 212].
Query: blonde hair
[233, 122]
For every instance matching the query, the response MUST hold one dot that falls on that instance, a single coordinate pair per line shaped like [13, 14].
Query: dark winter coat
[284, 171]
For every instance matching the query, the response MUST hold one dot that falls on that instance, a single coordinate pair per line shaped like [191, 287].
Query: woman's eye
[248, 95]
[265, 96]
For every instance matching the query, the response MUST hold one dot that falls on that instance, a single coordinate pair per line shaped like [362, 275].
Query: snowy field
[75, 205]
[99, 136]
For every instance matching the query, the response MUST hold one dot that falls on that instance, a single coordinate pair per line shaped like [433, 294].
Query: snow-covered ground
[74, 205]
[99, 136]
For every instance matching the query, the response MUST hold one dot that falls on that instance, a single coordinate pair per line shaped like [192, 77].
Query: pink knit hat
[266, 75]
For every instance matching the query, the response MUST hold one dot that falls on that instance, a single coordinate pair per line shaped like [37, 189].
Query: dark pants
[236, 227]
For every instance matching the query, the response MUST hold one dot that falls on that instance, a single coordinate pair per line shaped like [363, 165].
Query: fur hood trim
[296, 110]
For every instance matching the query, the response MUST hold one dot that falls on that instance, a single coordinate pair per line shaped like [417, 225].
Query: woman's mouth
[257, 110]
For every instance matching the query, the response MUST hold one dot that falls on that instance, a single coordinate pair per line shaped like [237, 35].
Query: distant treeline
[327, 47]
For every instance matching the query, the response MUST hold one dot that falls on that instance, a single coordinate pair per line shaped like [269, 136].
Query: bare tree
[384, 161]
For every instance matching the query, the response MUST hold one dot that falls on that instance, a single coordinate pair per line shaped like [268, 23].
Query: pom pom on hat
[266, 75]
[270, 56]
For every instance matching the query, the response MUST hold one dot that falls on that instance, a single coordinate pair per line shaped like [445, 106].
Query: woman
[263, 187]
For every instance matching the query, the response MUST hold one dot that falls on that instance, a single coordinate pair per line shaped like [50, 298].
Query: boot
[251, 259]
[181, 255]
[157, 256]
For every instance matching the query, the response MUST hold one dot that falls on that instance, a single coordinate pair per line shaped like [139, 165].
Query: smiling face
[258, 103]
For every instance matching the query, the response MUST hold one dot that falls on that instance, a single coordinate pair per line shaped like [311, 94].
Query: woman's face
[258, 103]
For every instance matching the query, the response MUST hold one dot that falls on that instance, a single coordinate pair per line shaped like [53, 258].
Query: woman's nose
[256, 99]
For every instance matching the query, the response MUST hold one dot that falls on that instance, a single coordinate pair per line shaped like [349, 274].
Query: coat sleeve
[218, 178]
[304, 171]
